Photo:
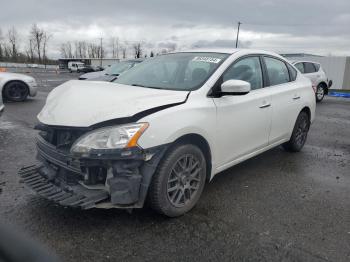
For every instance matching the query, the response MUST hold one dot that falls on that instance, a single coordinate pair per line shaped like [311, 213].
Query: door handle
[296, 97]
[265, 105]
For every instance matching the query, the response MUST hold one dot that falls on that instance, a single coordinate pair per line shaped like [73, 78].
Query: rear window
[317, 66]
[300, 67]
[277, 71]
[309, 68]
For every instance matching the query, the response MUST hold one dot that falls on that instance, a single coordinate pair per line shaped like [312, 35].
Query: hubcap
[16, 91]
[301, 133]
[184, 180]
[320, 93]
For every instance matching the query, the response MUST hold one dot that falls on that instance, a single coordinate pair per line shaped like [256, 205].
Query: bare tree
[13, 41]
[151, 54]
[1, 46]
[115, 47]
[30, 50]
[37, 35]
[66, 50]
[137, 50]
[46, 38]
[80, 49]
[123, 48]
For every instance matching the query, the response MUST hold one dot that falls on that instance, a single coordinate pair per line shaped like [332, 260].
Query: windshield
[179, 71]
[119, 68]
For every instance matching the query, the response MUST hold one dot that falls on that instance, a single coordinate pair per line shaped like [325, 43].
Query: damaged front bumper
[120, 181]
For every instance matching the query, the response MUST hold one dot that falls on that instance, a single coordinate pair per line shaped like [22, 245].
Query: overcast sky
[308, 26]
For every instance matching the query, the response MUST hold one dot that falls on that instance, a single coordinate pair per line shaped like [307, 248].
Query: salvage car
[317, 75]
[17, 87]
[166, 127]
[111, 73]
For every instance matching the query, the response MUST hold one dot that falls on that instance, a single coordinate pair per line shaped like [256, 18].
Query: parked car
[2, 106]
[17, 87]
[166, 127]
[86, 69]
[317, 75]
[75, 66]
[112, 72]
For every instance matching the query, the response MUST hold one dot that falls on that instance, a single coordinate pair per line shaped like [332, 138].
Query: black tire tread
[154, 193]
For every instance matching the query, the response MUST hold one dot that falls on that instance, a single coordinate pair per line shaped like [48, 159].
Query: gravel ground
[278, 206]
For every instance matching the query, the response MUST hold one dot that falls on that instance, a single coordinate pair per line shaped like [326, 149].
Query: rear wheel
[15, 91]
[179, 181]
[299, 135]
[320, 92]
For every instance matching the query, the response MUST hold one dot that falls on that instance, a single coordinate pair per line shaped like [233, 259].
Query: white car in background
[17, 87]
[318, 77]
[2, 107]
[166, 127]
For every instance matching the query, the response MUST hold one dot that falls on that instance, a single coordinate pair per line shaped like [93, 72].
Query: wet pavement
[278, 206]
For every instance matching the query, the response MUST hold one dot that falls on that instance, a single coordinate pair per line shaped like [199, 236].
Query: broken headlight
[109, 138]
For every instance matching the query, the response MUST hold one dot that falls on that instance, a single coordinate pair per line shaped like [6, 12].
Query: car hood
[92, 75]
[82, 104]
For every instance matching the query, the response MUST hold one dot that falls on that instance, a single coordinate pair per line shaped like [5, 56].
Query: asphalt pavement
[277, 206]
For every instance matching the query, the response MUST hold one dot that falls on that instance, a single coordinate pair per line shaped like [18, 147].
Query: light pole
[239, 25]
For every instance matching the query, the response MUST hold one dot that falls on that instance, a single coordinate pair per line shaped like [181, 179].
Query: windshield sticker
[206, 59]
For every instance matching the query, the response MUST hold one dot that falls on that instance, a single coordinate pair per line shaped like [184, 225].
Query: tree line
[34, 49]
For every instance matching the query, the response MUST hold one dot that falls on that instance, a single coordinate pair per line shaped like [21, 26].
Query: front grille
[61, 138]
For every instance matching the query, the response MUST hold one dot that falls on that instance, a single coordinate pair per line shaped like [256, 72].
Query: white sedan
[166, 127]
[17, 87]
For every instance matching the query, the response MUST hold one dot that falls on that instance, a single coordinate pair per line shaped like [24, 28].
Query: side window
[309, 68]
[300, 67]
[247, 69]
[292, 72]
[317, 66]
[277, 71]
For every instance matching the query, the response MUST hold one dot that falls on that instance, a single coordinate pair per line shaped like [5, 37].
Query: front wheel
[179, 181]
[320, 92]
[299, 135]
[16, 91]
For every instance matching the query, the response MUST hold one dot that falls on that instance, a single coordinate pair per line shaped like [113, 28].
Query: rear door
[285, 97]
[243, 121]
[311, 72]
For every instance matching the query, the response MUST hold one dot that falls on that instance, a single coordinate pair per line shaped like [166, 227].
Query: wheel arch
[323, 83]
[203, 145]
[11, 81]
[307, 110]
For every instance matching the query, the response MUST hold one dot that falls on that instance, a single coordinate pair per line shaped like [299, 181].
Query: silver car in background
[318, 77]
[112, 72]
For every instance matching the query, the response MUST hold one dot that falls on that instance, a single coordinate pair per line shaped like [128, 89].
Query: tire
[16, 91]
[178, 181]
[299, 135]
[320, 92]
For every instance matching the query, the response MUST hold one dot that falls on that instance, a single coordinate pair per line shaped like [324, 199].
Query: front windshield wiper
[154, 87]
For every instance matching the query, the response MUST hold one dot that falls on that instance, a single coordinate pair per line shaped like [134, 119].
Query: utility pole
[239, 24]
[101, 52]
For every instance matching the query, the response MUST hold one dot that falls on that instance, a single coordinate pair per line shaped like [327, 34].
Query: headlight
[109, 138]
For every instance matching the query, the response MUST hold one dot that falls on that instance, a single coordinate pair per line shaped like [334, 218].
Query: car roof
[304, 61]
[226, 51]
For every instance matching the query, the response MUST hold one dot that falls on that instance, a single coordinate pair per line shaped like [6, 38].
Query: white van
[75, 66]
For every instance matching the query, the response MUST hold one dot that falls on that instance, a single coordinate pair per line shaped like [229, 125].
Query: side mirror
[235, 87]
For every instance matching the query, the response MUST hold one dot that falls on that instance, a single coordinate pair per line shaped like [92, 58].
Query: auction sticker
[206, 59]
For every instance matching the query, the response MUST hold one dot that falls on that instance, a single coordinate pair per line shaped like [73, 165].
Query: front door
[243, 122]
